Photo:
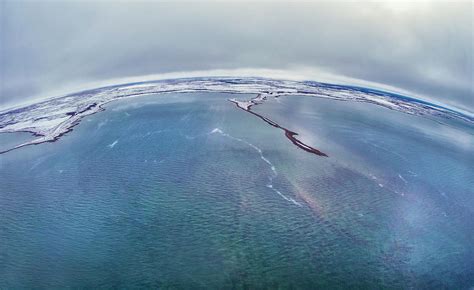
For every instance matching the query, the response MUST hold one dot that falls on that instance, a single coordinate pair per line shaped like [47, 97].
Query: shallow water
[10, 140]
[188, 191]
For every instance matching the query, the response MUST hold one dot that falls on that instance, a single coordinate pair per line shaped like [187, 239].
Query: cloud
[423, 47]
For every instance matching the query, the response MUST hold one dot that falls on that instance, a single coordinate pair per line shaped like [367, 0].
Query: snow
[53, 117]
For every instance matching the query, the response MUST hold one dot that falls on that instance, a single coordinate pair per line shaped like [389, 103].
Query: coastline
[259, 99]
[51, 119]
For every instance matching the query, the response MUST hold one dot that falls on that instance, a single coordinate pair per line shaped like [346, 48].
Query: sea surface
[188, 191]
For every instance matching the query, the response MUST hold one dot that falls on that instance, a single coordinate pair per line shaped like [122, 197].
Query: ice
[52, 118]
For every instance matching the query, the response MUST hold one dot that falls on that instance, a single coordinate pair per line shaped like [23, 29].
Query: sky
[424, 48]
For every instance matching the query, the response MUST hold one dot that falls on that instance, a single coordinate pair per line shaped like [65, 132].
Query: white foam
[112, 145]
[260, 152]
[403, 179]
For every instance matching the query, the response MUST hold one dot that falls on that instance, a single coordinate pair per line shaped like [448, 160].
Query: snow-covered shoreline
[52, 118]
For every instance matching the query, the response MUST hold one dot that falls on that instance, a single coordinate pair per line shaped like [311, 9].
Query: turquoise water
[9, 140]
[178, 191]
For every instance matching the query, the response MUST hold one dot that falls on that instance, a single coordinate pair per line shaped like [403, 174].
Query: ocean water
[188, 191]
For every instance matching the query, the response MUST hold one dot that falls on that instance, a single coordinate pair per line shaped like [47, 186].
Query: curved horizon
[43, 120]
[272, 74]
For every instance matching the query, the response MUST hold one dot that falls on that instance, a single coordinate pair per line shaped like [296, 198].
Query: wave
[273, 174]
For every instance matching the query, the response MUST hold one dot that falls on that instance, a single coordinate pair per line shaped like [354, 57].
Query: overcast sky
[425, 47]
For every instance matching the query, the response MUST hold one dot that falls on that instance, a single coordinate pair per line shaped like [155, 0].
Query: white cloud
[425, 48]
